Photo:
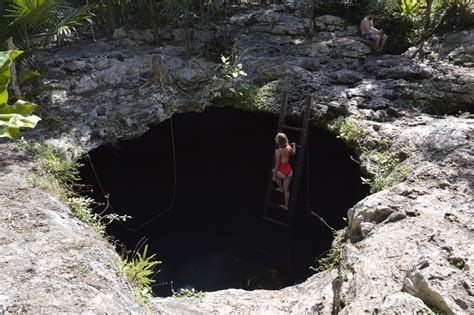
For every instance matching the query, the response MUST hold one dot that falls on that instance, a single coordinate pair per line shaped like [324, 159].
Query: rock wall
[407, 249]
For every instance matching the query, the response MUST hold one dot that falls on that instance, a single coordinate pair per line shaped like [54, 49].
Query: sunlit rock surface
[408, 248]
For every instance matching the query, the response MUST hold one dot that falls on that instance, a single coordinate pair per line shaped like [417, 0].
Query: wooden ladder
[297, 168]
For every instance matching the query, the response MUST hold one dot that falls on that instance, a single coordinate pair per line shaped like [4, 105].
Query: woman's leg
[286, 191]
[277, 179]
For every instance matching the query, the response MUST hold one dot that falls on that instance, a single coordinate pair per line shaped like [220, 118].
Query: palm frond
[67, 27]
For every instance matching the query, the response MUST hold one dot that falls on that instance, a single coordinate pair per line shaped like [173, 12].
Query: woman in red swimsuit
[283, 172]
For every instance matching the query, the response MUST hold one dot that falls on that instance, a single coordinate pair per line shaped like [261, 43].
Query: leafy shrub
[55, 20]
[148, 14]
[449, 15]
[333, 256]
[349, 129]
[139, 269]
[16, 116]
[389, 171]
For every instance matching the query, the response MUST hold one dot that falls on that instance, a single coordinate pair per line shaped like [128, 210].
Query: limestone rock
[377, 103]
[397, 68]
[102, 63]
[455, 47]
[84, 84]
[267, 16]
[145, 36]
[3, 304]
[423, 281]
[348, 47]
[119, 33]
[329, 23]
[76, 65]
[346, 76]
[402, 303]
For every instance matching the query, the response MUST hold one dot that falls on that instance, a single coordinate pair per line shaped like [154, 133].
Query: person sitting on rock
[369, 32]
[282, 173]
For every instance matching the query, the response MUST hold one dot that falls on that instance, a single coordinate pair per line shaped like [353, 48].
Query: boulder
[348, 47]
[401, 303]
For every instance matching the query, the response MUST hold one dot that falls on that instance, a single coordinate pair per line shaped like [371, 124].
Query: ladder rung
[275, 221]
[291, 127]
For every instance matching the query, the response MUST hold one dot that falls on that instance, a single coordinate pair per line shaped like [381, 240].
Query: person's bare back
[365, 26]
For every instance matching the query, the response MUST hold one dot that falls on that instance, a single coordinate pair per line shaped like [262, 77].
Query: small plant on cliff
[349, 129]
[389, 171]
[188, 293]
[333, 256]
[139, 269]
[229, 80]
[231, 70]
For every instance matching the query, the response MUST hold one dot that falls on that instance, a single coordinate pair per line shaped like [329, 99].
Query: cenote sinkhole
[213, 238]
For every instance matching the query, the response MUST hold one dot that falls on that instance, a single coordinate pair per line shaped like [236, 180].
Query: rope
[171, 205]
[106, 196]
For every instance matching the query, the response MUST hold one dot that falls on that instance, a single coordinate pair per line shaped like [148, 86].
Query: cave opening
[213, 238]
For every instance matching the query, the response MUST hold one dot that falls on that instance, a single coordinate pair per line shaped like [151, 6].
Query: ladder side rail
[299, 164]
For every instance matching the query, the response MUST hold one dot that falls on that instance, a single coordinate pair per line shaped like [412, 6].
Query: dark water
[213, 238]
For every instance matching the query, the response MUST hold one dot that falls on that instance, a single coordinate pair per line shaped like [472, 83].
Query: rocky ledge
[408, 246]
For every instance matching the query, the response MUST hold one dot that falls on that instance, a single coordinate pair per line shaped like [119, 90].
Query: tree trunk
[13, 80]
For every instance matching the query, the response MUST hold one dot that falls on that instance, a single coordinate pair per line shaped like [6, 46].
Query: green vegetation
[58, 174]
[249, 97]
[231, 70]
[407, 22]
[54, 20]
[234, 91]
[16, 116]
[139, 269]
[333, 257]
[55, 172]
[349, 129]
[150, 14]
[449, 15]
[188, 293]
[458, 262]
[387, 168]
[389, 171]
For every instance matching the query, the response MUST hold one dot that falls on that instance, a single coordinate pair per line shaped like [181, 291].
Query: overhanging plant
[16, 116]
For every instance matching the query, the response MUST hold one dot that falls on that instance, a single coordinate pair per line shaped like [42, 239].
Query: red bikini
[284, 168]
